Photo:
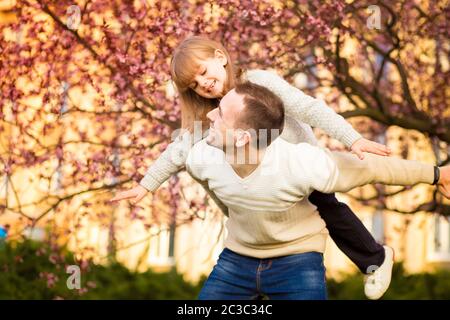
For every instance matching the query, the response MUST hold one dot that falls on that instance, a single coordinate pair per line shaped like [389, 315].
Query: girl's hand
[135, 195]
[444, 181]
[364, 145]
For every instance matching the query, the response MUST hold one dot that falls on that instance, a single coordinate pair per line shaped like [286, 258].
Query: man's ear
[219, 54]
[243, 137]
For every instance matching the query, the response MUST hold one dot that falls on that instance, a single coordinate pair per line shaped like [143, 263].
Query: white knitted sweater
[269, 212]
[302, 112]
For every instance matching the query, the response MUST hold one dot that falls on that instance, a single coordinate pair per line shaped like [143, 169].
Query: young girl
[203, 73]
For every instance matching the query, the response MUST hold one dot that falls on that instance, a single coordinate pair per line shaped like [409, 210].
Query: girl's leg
[233, 278]
[348, 232]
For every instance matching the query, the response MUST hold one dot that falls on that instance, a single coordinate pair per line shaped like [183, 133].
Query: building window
[378, 64]
[56, 181]
[377, 229]
[161, 251]
[35, 233]
[440, 239]
[312, 82]
[3, 186]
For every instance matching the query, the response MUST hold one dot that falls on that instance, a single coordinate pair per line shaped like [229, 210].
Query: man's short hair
[263, 110]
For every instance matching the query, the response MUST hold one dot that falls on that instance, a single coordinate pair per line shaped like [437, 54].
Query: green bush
[422, 286]
[27, 270]
[32, 270]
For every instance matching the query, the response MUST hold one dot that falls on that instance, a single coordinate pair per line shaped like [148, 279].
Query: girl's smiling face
[209, 81]
[203, 72]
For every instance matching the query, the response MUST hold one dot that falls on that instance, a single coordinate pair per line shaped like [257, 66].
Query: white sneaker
[376, 284]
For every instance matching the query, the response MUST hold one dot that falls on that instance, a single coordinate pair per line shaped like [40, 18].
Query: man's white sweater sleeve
[342, 171]
[354, 172]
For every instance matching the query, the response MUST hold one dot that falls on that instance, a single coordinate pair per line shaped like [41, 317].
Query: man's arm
[352, 172]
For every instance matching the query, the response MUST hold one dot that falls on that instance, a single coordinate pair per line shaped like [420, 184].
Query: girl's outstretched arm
[316, 113]
[169, 162]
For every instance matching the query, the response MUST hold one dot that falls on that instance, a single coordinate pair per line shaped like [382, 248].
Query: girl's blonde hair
[184, 66]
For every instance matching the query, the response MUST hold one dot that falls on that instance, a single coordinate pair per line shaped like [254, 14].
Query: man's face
[223, 131]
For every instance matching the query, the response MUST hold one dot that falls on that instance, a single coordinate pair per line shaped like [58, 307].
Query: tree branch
[404, 122]
[112, 69]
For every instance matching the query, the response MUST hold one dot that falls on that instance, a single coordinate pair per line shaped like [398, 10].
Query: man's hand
[444, 181]
[364, 145]
[135, 195]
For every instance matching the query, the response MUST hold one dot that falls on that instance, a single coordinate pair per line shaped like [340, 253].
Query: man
[275, 236]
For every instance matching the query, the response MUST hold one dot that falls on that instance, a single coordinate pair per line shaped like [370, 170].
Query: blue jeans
[293, 277]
